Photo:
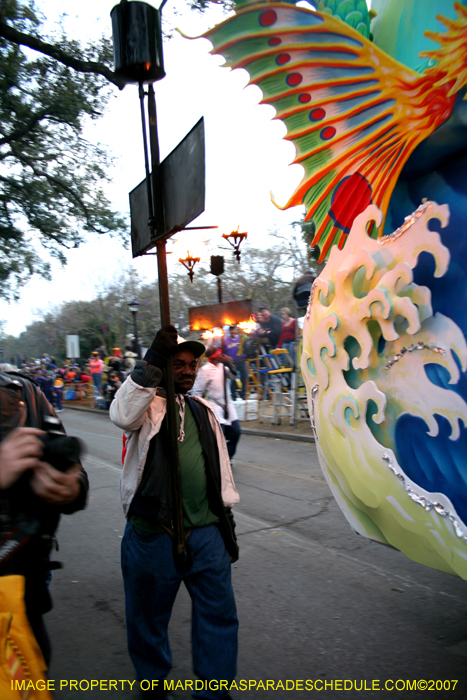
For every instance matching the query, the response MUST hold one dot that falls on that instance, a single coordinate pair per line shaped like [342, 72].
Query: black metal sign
[183, 178]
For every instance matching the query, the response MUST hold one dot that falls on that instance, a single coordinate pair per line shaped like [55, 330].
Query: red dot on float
[304, 97]
[268, 18]
[328, 133]
[294, 79]
[283, 59]
[275, 41]
[317, 114]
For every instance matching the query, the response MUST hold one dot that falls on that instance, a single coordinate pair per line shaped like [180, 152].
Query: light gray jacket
[139, 412]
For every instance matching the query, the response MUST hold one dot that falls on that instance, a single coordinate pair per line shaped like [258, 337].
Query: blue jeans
[232, 434]
[58, 397]
[289, 345]
[240, 366]
[97, 379]
[151, 585]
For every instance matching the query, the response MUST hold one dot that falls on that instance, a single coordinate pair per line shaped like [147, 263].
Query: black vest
[153, 498]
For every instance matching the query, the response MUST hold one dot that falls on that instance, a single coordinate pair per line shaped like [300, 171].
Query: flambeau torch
[138, 54]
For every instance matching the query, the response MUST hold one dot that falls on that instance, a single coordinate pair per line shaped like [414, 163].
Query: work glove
[233, 546]
[146, 375]
[163, 346]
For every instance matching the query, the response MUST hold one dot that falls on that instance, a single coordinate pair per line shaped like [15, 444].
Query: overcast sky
[246, 156]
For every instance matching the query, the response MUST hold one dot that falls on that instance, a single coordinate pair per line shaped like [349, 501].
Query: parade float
[374, 105]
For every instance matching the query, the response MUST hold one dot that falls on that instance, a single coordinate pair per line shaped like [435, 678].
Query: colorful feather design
[353, 113]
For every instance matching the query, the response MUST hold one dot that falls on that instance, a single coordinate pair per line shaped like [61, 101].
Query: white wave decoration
[369, 332]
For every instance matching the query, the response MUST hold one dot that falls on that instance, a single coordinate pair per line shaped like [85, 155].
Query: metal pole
[157, 190]
[219, 295]
[146, 160]
[181, 551]
[138, 352]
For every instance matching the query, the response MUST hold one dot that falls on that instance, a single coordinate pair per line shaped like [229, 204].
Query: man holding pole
[152, 571]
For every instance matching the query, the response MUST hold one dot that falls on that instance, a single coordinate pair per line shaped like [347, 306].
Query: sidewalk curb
[246, 431]
[278, 435]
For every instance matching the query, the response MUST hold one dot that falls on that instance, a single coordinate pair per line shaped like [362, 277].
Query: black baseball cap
[193, 346]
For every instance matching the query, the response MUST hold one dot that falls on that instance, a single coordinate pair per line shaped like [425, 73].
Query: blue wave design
[438, 463]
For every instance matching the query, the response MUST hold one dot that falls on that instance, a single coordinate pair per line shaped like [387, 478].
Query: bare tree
[265, 276]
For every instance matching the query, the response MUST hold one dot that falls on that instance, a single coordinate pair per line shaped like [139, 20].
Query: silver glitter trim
[411, 348]
[425, 502]
[312, 415]
[408, 222]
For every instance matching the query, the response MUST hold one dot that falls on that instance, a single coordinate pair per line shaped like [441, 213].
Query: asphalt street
[315, 601]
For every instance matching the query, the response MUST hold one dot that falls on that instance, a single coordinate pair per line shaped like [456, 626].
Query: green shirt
[196, 511]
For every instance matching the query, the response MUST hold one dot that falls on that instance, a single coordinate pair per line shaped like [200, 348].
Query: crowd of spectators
[96, 378]
[99, 377]
[248, 349]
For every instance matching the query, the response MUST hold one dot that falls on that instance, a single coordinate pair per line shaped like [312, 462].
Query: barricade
[79, 393]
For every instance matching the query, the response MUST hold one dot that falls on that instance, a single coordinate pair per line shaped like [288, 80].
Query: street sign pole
[219, 260]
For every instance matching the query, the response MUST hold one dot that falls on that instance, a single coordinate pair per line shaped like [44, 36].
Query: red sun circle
[304, 97]
[275, 41]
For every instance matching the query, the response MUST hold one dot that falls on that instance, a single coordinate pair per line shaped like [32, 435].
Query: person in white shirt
[213, 382]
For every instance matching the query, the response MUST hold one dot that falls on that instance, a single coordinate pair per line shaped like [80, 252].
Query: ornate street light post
[189, 262]
[235, 239]
[134, 306]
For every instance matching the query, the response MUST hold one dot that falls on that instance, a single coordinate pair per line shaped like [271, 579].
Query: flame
[247, 326]
[215, 333]
[178, 246]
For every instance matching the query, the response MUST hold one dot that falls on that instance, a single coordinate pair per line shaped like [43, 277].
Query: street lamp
[134, 306]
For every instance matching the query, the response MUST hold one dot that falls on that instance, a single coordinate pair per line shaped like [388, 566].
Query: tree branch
[11, 34]
[19, 133]
[63, 185]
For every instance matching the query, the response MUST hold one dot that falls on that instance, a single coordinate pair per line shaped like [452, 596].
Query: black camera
[60, 451]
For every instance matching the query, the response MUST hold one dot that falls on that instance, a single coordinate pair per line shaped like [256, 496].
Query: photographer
[33, 494]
